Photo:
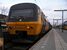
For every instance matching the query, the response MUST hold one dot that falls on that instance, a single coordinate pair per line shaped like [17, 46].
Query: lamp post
[56, 20]
[62, 16]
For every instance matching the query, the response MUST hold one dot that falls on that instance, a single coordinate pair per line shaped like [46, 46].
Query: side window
[43, 18]
[42, 15]
[39, 12]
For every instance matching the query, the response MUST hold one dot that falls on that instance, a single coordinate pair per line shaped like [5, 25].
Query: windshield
[22, 15]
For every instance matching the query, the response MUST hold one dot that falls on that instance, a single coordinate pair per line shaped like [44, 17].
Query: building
[3, 18]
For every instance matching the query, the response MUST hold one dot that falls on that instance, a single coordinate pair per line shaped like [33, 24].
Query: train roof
[24, 6]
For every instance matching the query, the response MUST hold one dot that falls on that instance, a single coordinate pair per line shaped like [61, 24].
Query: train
[26, 20]
[65, 25]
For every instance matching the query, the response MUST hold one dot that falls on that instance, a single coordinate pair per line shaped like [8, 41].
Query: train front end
[24, 21]
[23, 28]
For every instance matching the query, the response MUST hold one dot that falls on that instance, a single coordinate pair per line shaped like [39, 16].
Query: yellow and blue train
[26, 19]
[65, 25]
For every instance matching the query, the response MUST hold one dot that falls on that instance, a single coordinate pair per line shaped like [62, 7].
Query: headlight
[28, 27]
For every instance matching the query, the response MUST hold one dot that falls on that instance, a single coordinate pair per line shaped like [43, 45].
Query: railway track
[21, 44]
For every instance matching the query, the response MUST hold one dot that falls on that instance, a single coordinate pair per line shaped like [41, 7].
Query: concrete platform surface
[51, 41]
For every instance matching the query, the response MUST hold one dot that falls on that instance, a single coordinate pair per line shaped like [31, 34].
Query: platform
[53, 40]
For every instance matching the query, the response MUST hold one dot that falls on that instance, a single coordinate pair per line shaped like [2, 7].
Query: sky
[47, 6]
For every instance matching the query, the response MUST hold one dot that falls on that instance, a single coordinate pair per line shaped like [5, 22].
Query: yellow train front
[65, 25]
[26, 19]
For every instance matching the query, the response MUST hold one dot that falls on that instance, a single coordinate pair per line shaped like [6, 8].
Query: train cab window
[22, 15]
